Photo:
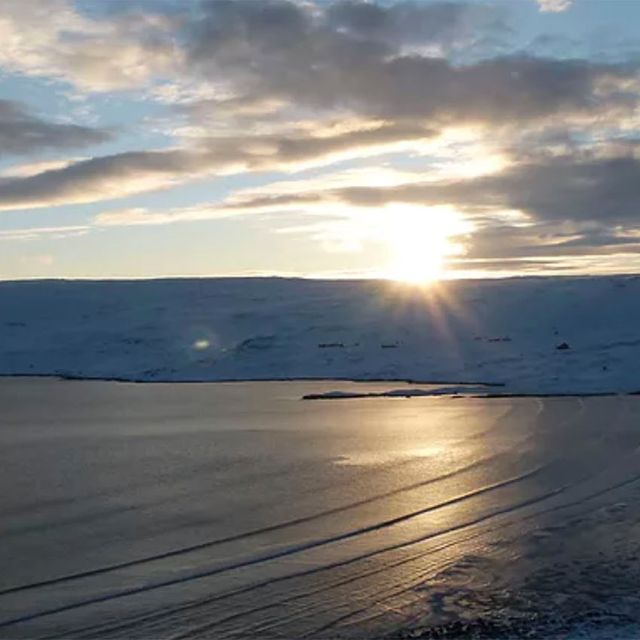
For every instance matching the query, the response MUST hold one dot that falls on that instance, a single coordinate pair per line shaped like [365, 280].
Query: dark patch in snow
[256, 343]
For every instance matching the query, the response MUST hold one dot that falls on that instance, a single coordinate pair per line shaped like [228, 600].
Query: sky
[411, 140]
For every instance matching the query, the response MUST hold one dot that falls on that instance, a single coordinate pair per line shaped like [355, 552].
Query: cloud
[27, 169]
[51, 233]
[576, 204]
[139, 216]
[264, 200]
[284, 85]
[98, 178]
[51, 38]
[554, 6]
[390, 62]
[551, 189]
[23, 133]
[121, 174]
[568, 188]
[555, 213]
[405, 59]
[281, 63]
[508, 242]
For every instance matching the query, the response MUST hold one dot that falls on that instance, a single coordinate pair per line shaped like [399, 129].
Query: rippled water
[240, 511]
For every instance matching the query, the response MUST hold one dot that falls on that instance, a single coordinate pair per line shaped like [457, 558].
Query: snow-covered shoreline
[486, 391]
[532, 336]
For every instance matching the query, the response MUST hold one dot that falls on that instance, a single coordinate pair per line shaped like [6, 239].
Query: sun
[413, 268]
[420, 240]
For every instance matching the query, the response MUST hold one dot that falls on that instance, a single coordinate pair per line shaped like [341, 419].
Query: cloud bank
[22, 132]
[279, 86]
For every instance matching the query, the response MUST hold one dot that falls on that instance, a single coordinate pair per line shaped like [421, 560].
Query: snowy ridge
[533, 335]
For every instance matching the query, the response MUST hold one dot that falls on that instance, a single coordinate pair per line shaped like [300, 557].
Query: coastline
[531, 337]
[392, 393]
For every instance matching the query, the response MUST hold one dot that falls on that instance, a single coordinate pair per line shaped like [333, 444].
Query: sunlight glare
[420, 239]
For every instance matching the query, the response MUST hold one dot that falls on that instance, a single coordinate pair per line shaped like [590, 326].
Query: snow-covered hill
[498, 331]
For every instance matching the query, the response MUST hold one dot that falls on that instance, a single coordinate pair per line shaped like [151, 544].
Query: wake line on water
[271, 528]
[424, 538]
[406, 588]
[241, 536]
[294, 549]
[61, 502]
[157, 616]
[319, 543]
[154, 616]
[401, 545]
[368, 555]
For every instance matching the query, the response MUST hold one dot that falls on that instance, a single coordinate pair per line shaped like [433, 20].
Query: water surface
[239, 511]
